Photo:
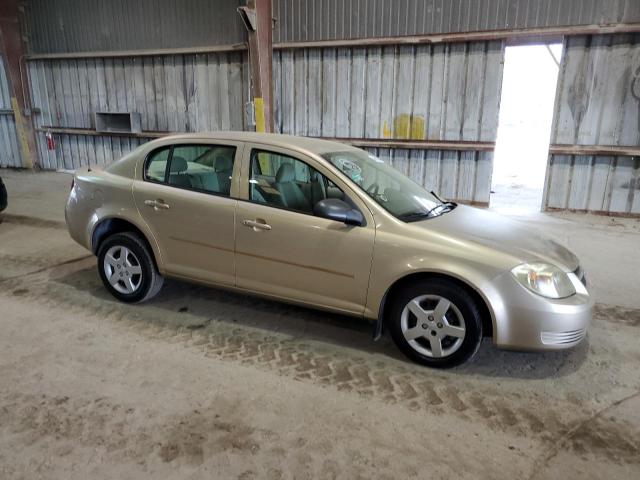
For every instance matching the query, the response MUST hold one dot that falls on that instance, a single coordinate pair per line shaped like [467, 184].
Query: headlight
[544, 279]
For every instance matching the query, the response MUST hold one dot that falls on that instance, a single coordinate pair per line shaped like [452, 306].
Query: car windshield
[394, 192]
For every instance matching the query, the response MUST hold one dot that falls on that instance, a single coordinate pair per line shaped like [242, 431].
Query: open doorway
[524, 128]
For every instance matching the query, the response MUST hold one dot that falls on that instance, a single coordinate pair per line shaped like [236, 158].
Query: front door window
[285, 182]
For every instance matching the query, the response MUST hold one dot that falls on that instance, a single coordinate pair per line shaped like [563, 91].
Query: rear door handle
[157, 204]
[258, 224]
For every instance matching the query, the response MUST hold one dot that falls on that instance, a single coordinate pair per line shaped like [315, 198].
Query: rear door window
[205, 168]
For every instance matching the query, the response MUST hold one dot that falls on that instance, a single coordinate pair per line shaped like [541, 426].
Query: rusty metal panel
[597, 105]
[9, 149]
[445, 92]
[308, 20]
[55, 26]
[173, 93]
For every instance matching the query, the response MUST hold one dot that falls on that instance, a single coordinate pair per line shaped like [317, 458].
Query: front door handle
[258, 224]
[157, 204]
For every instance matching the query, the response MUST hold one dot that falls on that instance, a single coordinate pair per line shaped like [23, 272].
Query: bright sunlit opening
[526, 114]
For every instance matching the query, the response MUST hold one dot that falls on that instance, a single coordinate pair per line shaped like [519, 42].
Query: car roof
[125, 166]
[314, 145]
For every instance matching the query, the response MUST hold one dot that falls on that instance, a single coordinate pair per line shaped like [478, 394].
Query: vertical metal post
[260, 59]
[11, 47]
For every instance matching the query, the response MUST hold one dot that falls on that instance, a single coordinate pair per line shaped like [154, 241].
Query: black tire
[150, 281]
[466, 306]
[3, 196]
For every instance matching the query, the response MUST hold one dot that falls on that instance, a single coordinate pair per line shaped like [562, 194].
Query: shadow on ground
[194, 307]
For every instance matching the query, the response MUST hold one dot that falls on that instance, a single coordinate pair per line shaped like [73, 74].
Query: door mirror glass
[338, 210]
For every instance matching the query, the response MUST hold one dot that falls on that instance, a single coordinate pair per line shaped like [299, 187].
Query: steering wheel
[373, 189]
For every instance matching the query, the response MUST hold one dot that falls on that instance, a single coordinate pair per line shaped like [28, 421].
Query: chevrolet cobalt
[328, 226]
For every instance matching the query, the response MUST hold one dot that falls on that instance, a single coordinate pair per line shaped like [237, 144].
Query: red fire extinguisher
[51, 144]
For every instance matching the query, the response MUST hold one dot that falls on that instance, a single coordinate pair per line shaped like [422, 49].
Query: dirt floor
[202, 383]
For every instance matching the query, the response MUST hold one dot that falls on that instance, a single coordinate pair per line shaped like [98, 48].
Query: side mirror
[338, 210]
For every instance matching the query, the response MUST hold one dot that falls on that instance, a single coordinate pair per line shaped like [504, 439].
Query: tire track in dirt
[115, 428]
[357, 372]
[38, 263]
[609, 435]
[208, 435]
[617, 314]
[32, 221]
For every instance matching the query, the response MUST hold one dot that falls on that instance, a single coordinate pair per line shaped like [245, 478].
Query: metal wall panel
[445, 92]
[174, 93]
[597, 104]
[9, 148]
[423, 92]
[608, 184]
[306, 20]
[461, 176]
[55, 26]
[599, 91]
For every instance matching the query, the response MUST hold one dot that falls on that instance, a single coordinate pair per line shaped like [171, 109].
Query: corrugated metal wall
[95, 25]
[608, 184]
[176, 93]
[306, 20]
[445, 92]
[597, 100]
[98, 25]
[9, 149]
[597, 104]
[456, 175]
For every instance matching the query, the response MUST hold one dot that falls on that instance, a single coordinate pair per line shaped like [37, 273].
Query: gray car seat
[178, 175]
[290, 192]
[318, 191]
[223, 165]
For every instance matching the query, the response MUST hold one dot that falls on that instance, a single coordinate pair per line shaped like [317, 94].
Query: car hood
[501, 234]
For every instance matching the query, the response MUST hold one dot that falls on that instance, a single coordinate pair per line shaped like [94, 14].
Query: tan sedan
[329, 226]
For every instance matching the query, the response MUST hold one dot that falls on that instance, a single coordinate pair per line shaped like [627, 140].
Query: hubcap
[122, 269]
[433, 326]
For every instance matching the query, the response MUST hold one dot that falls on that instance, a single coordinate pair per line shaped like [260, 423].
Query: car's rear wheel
[436, 322]
[127, 268]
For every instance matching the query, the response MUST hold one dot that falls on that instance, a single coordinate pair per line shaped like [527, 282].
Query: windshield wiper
[447, 207]
[436, 195]
[414, 216]
[451, 205]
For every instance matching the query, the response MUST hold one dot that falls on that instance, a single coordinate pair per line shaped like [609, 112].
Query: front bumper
[526, 321]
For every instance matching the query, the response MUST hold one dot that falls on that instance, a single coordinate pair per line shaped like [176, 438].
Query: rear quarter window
[155, 167]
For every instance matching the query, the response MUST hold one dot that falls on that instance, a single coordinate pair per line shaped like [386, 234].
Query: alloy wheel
[433, 326]
[122, 269]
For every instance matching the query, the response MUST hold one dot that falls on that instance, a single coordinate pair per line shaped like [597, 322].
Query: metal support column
[12, 50]
[257, 17]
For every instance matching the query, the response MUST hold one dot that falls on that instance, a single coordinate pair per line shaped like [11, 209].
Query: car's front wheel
[436, 322]
[127, 269]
